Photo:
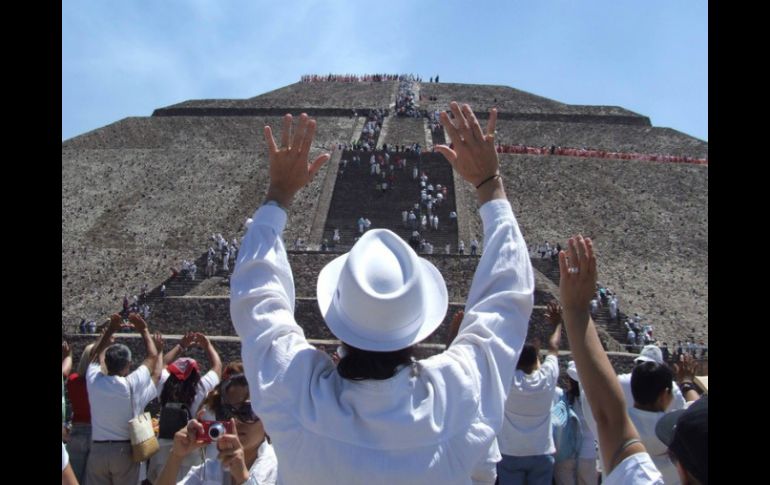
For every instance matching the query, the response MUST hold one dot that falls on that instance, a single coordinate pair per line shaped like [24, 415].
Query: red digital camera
[213, 430]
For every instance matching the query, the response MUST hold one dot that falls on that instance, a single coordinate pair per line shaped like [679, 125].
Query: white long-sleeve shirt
[432, 422]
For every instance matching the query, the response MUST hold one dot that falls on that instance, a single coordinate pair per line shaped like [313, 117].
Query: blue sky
[127, 58]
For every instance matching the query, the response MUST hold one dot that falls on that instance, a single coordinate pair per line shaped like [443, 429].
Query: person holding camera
[182, 389]
[380, 416]
[245, 453]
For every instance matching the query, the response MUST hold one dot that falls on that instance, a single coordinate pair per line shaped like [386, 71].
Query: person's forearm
[172, 354]
[66, 365]
[493, 189]
[281, 196]
[101, 346]
[600, 384]
[68, 476]
[149, 345]
[555, 341]
[159, 365]
[214, 359]
[170, 471]
[597, 376]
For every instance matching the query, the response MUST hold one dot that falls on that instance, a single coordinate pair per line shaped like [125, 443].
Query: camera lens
[216, 431]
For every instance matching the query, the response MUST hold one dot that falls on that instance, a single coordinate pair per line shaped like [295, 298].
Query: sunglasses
[243, 413]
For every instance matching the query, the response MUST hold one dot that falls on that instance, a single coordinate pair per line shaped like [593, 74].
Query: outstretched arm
[499, 301]
[553, 315]
[211, 352]
[597, 377]
[152, 353]
[66, 359]
[105, 340]
[183, 344]
[262, 287]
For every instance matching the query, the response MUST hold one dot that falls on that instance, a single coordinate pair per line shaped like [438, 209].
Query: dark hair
[360, 364]
[117, 357]
[648, 380]
[237, 379]
[574, 390]
[175, 390]
[528, 358]
[214, 398]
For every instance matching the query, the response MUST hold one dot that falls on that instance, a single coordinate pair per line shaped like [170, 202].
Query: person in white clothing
[650, 353]
[115, 398]
[379, 416]
[181, 383]
[525, 441]
[624, 456]
[245, 454]
[580, 470]
[651, 385]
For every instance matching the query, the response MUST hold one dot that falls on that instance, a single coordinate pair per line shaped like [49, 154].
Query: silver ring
[573, 270]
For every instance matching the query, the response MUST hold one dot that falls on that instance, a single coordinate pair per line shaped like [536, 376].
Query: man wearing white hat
[381, 417]
[650, 353]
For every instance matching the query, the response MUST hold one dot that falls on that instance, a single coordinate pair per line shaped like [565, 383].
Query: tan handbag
[144, 444]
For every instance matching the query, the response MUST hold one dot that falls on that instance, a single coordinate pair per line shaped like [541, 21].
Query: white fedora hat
[381, 296]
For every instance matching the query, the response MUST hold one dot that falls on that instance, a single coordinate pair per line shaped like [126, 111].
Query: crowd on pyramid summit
[488, 409]
[357, 78]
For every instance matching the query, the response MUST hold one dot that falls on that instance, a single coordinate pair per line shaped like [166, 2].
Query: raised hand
[201, 340]
[157, 338]
[553, 313]
[289, 167]
[684, 370]
[116, 321]
[577, 282]
[139, 324]
[473, 154]
[187, 340]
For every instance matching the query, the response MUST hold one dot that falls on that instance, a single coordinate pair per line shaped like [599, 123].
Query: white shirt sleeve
[262, 311]
[65, 458]
[162, 380]
[678, 402]
[497, 312]
[208, 382]
[485, 472]
[143, 388]
[637, 469]
[550, 370]
[93, 371]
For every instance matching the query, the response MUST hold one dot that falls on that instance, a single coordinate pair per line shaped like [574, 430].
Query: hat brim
[643, 358]
[435, 303]
[666, 427]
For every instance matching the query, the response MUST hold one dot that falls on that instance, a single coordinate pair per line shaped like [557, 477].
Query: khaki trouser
[111, 464]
